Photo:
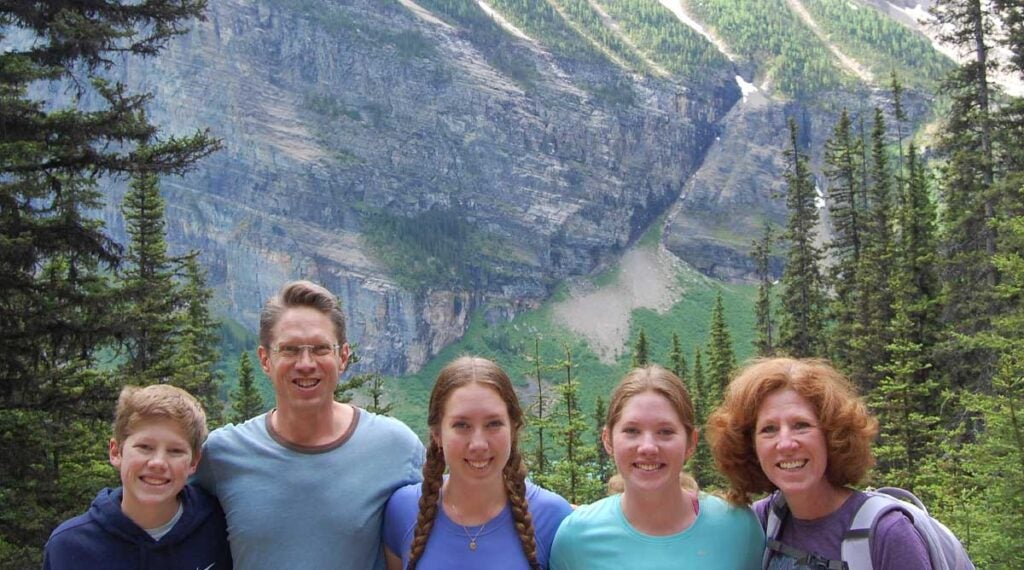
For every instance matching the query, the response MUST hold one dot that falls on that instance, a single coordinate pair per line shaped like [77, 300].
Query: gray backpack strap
[777, 511]
[856, 548]
[903, 495]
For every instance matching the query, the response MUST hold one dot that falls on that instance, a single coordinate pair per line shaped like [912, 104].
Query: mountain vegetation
[921, 294]
[769, 33]
[915, 291]
[80, 316]
[880, 43]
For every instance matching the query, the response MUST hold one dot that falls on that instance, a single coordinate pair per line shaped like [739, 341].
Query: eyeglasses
[292, 351]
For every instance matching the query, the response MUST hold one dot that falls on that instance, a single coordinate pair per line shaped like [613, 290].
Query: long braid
[433, 471]
[464, 371]
[515, 486]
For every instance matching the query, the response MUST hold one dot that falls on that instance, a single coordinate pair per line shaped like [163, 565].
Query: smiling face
[155, 462]
[305, 382]
[790, 444]
[649, 443]
[475, 435]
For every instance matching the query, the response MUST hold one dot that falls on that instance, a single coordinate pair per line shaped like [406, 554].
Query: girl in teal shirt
[655, 523]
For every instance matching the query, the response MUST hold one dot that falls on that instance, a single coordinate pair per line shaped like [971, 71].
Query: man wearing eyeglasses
[304, 485]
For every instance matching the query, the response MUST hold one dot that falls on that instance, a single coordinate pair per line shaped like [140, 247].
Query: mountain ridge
[354, 129]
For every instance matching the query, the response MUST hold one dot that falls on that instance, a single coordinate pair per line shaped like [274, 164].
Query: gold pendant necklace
[472, 537]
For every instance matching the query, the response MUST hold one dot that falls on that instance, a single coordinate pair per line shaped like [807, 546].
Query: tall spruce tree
[573, 475]
[58, 307]
[702, 465]
[677, 360]
[721, 363]
[246, 400]
[377, 395]
[641, 352]
[843, 168]
[539, 420]
[983, 459]
[195, 368]
[721, 356]
[1011, 14]
[764, 325]
[997, 456]
[899, 115]
[802, 322]
[968, 238]
[605, 465]
[903, 399]
[918, 254]
[873, 303]
[151, 319]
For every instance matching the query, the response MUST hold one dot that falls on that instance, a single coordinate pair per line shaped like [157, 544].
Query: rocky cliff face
[537, 165]
[333, 112]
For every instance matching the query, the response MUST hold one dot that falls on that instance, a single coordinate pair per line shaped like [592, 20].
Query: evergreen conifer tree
[903, 401]
[997, 456]
[802, 326]
[538, 415]
[148, 287]
[698, 385]
[899, 115]
[605, 466]
[377, 395]
[677, 360]
[764, 326]
[246, 400]
[702, 465]
[721, 357]
[59, 308]
[843, 167]
[573, 475]
[982, 462]
[195, 369]
[918, 254]
[721, 363]
[640, 350]
[343, 392]
[874, 304]
[968, 239]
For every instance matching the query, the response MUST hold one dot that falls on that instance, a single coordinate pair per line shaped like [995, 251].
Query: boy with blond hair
[154, 520]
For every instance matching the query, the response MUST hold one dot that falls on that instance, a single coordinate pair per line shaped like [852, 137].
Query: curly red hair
[848, 426]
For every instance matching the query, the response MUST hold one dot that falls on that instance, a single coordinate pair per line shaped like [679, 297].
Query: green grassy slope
[512, 342]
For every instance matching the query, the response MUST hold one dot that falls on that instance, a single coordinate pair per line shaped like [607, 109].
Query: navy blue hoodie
[105, 538]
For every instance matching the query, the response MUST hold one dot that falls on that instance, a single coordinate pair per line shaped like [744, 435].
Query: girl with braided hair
[484, 514]
[655, 523]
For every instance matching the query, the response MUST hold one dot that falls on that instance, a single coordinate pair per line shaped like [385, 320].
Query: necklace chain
[472, 537]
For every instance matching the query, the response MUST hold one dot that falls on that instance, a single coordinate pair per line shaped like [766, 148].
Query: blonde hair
[686, 482]
[463, 372]
[847, 425]
[652, 378]
[137, 406]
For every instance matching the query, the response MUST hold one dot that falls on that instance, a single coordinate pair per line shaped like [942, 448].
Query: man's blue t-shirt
[290, 506]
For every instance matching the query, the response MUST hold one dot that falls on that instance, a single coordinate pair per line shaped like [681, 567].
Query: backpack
[944, 550]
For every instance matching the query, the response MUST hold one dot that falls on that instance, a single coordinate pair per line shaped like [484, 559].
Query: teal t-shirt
[598, 536]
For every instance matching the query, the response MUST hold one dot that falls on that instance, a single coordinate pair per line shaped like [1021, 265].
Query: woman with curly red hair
[484, 514]
[796, 428]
